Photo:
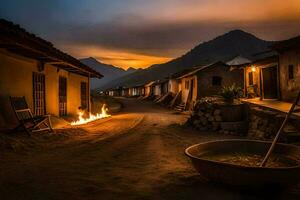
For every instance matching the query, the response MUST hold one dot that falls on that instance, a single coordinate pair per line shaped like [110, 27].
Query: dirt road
[137, 154]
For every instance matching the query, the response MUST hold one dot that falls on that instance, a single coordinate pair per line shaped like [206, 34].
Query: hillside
[221, 48]
[109, 72]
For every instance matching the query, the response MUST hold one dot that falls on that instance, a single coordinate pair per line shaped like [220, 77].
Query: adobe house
[174, 84]
[158, 88]
[52, 81]
[164, 87]
[115, 92]
[208, 81]
[149, 89]
[138, 90]
[289, 68]
[125, 92]
[261, 76]
[130, 91]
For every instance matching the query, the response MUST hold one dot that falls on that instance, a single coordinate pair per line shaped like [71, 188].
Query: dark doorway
[62, 96]
[270, 82]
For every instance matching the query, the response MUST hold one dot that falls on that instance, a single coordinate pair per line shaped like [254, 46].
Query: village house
[157, 88]
[138, 90]
[289, 68]
[52, 82]
[174, 84]
[125, 92]
[115, 92]
[164, 86]
[261, 76]
[130, 91]
[160, 87]
[149, 88]
[208, 81]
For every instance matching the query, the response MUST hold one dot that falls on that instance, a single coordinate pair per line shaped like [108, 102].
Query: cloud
[141, 36]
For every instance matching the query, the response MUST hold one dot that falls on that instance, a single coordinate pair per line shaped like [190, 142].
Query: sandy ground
[136, 154]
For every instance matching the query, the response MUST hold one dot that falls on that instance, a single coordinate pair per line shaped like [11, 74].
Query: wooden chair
[27, 120]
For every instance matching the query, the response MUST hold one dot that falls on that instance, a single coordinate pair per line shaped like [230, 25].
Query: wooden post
[245, 82]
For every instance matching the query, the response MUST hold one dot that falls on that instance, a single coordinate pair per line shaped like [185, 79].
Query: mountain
[109, 72]
[221, 48]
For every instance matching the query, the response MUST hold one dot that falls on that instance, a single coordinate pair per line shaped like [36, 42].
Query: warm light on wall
[253, 68]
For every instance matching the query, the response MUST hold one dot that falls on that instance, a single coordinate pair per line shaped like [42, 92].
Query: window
[291, 72]
[38, 83]
[216, 80]
[250, 76]
[83, 95]
[62, 93]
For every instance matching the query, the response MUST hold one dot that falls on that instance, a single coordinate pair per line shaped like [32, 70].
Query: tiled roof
[17, 40]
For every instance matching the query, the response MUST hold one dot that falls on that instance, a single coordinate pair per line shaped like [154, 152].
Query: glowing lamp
[253, 68]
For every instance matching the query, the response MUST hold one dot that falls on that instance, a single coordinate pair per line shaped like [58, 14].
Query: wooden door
[38, 83]
[62, 96]
[269, 79]
[84, 95]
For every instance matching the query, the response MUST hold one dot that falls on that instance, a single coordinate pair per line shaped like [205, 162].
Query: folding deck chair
[27, 120]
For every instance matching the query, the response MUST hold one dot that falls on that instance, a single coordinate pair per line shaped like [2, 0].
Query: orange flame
[92, 117]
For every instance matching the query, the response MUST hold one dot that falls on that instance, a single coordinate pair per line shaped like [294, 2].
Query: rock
[203, 129]
[200, 113]
[207, 115]
[203, 121]
[254, 124]
[196, 122]
[226, 132]
[218, 118]
[211, 119]
[260, 134]
[217, 112]
[216, 126]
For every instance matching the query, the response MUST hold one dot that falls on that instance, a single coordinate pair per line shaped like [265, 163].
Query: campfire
[81, 120]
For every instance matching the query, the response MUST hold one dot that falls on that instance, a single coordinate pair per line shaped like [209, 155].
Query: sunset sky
[138, 33]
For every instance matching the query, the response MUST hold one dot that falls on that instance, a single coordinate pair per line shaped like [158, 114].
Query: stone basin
[240, 175]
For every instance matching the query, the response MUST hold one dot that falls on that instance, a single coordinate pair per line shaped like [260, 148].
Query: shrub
[230, 93]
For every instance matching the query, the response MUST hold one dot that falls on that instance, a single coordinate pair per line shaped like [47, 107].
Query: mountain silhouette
[221, 48]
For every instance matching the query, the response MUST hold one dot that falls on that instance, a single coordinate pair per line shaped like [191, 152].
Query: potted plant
[232, 110]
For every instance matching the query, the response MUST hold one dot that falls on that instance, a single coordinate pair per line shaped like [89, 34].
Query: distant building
[125, 92]
[174, 84]
[52, 81]
[149, 88]
[160, 87]
[138, 90]
[115, 92]
[208, 80]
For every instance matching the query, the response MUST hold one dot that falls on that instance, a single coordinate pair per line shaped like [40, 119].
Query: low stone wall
[263, 123]
[258, 123]
[207, 115]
